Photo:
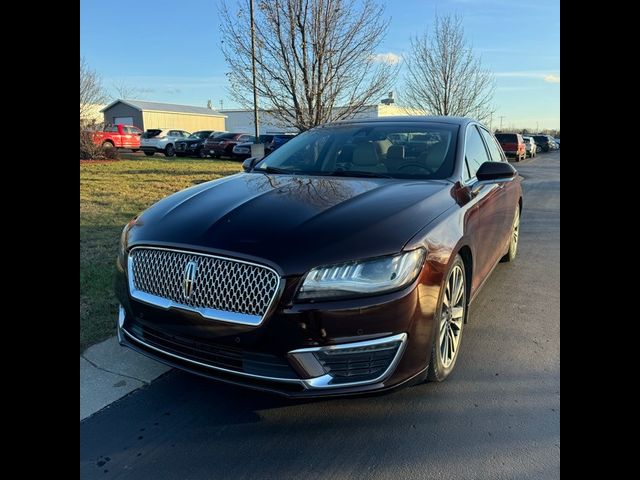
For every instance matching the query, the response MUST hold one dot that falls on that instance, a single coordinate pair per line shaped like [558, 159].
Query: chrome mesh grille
[220, 284]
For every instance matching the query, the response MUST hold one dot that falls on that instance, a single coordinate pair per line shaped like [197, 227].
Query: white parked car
[161, 140]
[530, 145]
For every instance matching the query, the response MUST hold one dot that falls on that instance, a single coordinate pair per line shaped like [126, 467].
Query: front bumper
[188, 149]
[300, 349]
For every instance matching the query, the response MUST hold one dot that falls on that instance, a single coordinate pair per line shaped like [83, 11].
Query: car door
[130, 137]
[507, 198]
[485, 221]
[173, 136]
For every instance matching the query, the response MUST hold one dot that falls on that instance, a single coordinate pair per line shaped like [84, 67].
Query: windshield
[225, 136]
[393, 149]
[506, 137]
[200, 135]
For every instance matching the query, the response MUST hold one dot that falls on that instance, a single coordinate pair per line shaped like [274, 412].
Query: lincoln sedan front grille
[217, 288]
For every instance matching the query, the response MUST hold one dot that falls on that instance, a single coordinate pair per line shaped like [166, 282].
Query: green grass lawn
[110, 195]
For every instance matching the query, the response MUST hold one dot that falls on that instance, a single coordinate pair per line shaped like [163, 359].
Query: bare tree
[91, 96]
[123, 90]
[444, 77]
[312, 56]
[91, 91]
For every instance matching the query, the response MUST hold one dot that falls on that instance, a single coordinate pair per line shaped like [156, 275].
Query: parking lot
[496, 417]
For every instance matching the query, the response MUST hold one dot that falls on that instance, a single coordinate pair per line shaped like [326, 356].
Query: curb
[108, 372]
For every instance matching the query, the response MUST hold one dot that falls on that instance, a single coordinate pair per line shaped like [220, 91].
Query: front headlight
[124, 237]
[365, 277]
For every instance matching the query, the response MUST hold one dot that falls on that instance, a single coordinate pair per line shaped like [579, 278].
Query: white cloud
[389, 57]
[547, 77]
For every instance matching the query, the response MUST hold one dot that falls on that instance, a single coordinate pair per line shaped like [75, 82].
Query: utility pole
[501, 117]
[253, 66]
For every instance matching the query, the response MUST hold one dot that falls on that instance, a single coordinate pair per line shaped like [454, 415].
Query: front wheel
[202, 153]
[450, 317]
[169, 151]
[513, 240]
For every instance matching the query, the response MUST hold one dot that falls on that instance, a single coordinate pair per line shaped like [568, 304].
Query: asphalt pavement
[496, 417]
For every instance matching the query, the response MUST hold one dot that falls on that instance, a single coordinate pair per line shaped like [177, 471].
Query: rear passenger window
[476, 154]
[494, 149]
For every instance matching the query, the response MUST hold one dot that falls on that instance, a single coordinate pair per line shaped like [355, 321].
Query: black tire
[108, 144]
[514, 238]
[169, 151]
[440, 367]
[202, 153]
[148, 153]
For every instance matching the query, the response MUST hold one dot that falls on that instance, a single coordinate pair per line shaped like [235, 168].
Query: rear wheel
[513, 241]
[449, 323]
[148, 153]
[169, 151]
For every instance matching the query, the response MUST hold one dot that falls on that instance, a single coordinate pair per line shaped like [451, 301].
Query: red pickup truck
[118, 136]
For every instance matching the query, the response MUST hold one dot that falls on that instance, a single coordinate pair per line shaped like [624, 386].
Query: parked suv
[531, 146]
[543, 142]
[193, 145]
[513, 145]
[223, 144]
[161, 140]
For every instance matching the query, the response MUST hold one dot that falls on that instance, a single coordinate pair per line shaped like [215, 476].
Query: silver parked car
[530, 145]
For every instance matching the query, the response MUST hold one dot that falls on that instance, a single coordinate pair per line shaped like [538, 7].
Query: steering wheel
[413, 166]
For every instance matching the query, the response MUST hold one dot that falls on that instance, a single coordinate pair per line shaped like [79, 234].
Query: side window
[111, 129]
[185, 134]
[476, 154]
[494, 149]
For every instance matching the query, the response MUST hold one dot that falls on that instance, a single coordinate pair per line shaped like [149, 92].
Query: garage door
[123, 120]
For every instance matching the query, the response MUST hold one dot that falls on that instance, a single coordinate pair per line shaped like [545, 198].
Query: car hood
[291, 222]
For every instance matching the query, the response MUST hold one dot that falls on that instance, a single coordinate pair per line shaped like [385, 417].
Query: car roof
[407, 119]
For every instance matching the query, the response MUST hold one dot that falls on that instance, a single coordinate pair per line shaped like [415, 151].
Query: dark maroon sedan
[342, 263]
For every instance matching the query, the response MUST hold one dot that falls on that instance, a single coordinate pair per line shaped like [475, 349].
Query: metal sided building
[146, 115]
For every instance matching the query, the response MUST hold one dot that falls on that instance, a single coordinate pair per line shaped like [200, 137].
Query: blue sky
[175, 57]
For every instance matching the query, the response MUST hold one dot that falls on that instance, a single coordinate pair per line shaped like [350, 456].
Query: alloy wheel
[452, 316]
[515, 231]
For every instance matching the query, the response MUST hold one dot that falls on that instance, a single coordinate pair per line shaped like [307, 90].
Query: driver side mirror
[496, 171]
[249, 163]
[493, 172]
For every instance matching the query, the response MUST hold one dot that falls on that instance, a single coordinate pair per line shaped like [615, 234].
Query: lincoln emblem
[189, 279]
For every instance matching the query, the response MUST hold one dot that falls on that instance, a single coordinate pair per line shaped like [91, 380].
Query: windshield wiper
[272, 170]
[357, 173]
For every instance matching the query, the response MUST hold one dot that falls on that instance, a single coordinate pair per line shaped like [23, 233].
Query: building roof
[143, 105]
